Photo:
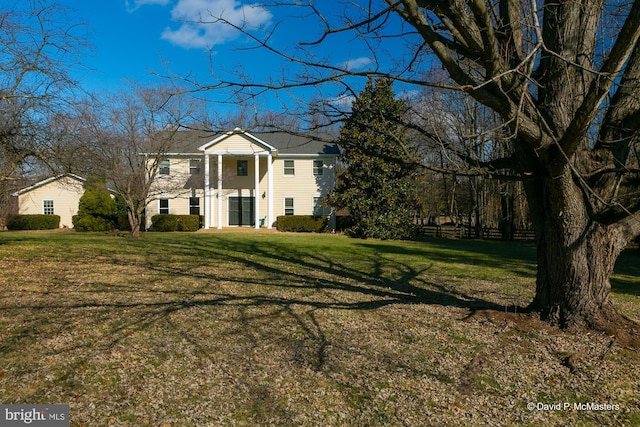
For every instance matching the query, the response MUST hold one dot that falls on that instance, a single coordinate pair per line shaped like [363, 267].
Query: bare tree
[40, 43]
[133, 131]
[562, 75]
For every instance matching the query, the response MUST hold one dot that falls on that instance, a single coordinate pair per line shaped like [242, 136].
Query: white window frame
[318, 170]
[192, 206]
[316, 202]
[293, 205]
[160, 208]
[48, 210]
[289, 170]
[164, 167]
[195, 166]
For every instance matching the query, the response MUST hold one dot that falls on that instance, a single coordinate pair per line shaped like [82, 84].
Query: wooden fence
[466, 232]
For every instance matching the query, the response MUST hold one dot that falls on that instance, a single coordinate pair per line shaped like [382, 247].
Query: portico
[243, 184]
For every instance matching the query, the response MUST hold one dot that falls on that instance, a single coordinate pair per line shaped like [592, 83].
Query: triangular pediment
[236, 142]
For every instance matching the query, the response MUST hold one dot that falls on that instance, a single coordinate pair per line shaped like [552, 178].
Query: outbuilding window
[47, 207]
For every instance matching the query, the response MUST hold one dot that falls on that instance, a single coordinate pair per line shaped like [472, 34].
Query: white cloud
[198, 27]
[342, 103]
[356, 63]
[133, 5]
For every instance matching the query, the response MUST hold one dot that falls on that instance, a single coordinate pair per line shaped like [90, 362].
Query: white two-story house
[243, 179]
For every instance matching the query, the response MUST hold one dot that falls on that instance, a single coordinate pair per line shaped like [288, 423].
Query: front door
[241, 211]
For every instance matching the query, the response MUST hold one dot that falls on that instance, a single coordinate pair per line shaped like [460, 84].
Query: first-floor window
[288, 206]
[47, 207]
[318, 209]
[194, 205]
[164, 206]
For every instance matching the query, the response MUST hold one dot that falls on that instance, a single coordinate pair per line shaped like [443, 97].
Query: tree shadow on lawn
[380, 279]
[260, 280]
[375, 282]
[517, 257]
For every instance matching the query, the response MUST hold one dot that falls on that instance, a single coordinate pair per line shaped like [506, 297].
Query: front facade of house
[59, 195]
[242, 179]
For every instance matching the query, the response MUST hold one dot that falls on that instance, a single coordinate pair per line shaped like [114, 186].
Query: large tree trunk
[576, 253]
[576, 256]
[552, 115]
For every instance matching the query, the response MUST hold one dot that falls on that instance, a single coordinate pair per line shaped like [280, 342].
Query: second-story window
[165, 167]
[243, 167]
[194, 166]
[318, 167]
[289, 168]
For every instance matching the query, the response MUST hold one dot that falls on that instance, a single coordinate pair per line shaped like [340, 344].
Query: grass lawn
[295, 329]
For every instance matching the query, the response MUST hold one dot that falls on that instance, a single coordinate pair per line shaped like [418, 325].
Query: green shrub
[302, 223]
[97, 209]
[91, 223]
[164, 222]
[33, 222]
[188, 222]
[169, 222]
[122, 221]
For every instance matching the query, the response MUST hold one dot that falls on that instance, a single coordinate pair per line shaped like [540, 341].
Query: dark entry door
[241, 211]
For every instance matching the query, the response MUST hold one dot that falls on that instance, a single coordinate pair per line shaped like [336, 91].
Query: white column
[269, 191]
[256, 191]
[219, 191]
[207, 194]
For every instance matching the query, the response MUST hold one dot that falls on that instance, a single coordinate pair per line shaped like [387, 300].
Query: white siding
[304, 185]
[236, 143]
[65, 193]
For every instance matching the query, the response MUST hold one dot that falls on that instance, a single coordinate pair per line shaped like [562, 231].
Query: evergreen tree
[376, 186]
[97, 209]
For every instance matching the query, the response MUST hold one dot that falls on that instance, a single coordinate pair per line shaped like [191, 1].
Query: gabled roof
[49, 180]
[236, 131]
[192, 142]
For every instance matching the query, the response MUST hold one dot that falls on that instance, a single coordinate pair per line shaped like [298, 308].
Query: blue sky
[133, 39]
[138, 39]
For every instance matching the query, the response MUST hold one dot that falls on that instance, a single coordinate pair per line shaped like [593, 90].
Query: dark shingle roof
[285, 143]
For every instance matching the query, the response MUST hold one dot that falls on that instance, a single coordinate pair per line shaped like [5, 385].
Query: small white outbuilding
[58, 195]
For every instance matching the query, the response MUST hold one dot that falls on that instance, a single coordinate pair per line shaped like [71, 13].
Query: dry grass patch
[283, 329]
